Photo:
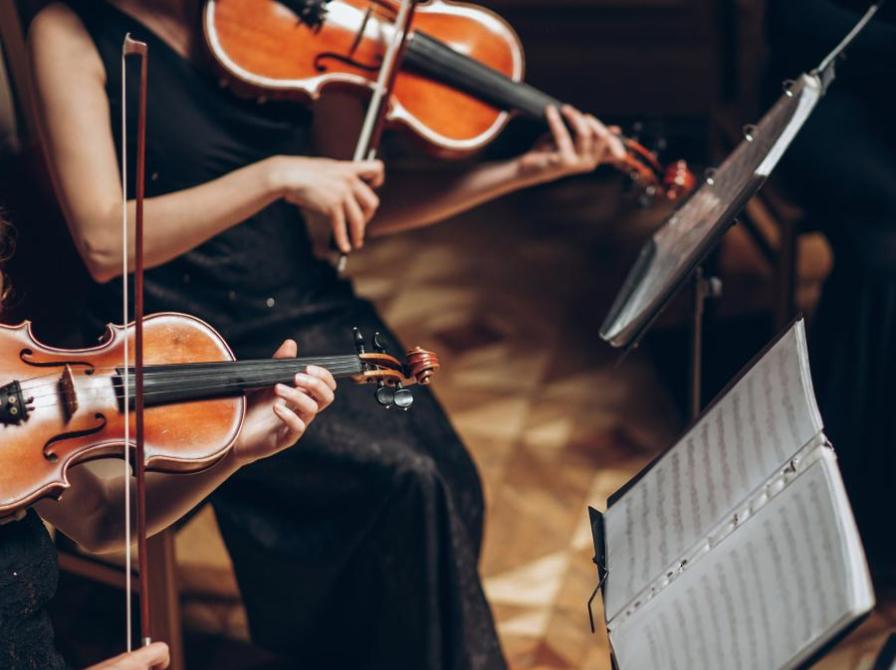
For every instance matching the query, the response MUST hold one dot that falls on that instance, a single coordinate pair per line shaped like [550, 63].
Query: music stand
[676, 251]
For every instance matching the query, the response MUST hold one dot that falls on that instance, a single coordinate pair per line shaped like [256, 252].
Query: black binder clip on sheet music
[737, 547]
[678, 248]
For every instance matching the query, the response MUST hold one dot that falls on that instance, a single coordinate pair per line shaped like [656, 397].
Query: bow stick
[375, 119]
[136, 49]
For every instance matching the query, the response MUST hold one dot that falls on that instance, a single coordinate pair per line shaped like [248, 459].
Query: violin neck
[436, 60]
[165, 384]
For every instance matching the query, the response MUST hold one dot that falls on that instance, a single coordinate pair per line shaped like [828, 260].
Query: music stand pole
[703, 288]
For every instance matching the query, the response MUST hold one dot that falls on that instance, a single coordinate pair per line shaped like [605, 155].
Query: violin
[460, 76]
[59, 407]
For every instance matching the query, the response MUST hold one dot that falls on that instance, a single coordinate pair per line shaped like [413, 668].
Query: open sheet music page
[768, 595]
[740, 442]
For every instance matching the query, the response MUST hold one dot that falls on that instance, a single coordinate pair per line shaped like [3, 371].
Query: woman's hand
[92, 511]
[340, 192]
[277, 418]
[561, 154]
[152, 657]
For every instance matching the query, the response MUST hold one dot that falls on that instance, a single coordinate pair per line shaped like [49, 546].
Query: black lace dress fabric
[357, 548]
[28, 577]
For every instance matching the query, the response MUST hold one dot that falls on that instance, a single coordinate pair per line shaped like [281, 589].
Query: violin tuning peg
[423, 365]
[379, 346]
[359, 340]
[403, 398]
[385, 396]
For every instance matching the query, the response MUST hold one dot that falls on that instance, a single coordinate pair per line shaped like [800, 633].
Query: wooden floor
[511, 298]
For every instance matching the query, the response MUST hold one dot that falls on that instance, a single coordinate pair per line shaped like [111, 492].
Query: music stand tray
[689, 234]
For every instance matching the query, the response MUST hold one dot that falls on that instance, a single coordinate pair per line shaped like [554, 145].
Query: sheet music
[765, 419]
[767, 596]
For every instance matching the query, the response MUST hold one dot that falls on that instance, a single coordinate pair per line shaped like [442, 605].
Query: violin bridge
[67, 393]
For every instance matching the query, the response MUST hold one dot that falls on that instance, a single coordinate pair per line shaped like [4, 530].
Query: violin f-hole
[49, 452]
[25, 355]
[320, 66]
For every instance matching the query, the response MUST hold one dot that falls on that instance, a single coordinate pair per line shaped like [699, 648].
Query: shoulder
[58, 38]
[56, 21]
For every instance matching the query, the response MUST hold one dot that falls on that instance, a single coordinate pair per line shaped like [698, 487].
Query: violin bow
[375, 119]
[132, 48]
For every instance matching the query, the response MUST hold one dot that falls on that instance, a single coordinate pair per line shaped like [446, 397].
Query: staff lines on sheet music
[750, 507]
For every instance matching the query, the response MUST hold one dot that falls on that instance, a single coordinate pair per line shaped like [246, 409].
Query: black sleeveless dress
[358, 548]
[28, 577]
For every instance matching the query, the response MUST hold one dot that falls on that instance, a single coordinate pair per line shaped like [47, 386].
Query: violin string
[259, 377]
[28, 384]
[319, 361]
[339, 366]
[165, 366]
[226, 392]
[166, 389]
[105, 385]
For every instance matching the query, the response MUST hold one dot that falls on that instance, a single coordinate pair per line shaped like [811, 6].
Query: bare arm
[91, 511]
[78, 143]
[416, 199]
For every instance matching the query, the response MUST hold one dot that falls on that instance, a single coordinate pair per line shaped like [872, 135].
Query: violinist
[92, 513]
[361, 548]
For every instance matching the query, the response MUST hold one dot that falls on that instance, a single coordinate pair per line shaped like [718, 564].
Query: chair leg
[165, 597]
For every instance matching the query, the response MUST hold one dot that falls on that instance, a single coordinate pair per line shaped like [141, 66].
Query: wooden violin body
[75, 413]
[62, 407]
[460, 76]
[267, 50]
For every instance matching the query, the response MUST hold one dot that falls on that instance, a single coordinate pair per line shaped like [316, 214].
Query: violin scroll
[390, 375]
[671, 182]
[382, 368]
[678, 180]
[423, 365]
